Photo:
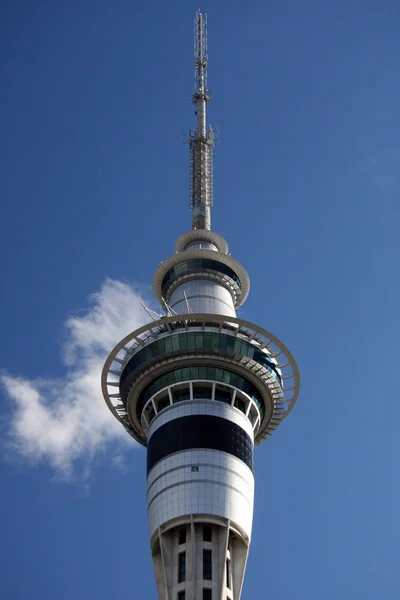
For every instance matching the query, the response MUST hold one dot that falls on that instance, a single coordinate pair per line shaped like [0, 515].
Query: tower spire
[201, 138]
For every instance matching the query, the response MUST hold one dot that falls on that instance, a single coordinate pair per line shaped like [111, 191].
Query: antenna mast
[202, 138]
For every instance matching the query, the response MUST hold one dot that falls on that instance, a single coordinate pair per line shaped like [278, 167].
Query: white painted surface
[201, 407]
[201, 481]
[204, 296]
[223, 486]
[201, 245]
[226, 545]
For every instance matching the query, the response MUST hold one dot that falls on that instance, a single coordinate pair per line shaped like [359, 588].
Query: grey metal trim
[285, 362]
[190, 481]
[214, 298]
[221, 468]
[225, 259]
[198, 235]
[220, 278]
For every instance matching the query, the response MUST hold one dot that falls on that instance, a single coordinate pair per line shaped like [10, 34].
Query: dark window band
[205, 373]
[199, 431]
[196, 265]
[192, 340]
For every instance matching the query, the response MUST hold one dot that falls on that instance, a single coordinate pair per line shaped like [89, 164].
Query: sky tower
[200, 388]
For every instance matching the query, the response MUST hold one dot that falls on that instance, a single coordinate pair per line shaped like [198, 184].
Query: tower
[200, 387]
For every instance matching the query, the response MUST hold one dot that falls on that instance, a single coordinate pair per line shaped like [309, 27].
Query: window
[201, 392]
[181, 567]
[193, 265]
[199, 431]
[163, 403]
[182, 535]
[228, 574]
[207, 594]
[208, 373]
[151, 415]
[181, 595]
[198, 339]
[207, 533]
[181, 394]
[240, 404]
[223, 394]
[207, 565]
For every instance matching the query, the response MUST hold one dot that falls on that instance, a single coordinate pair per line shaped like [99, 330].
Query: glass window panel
[153, 349]
[238, 346]
[215, 340]
[199, 339]
[223, 342]
[218, 374]
[207, 373]
[202, 372]
[195, 372]
[186, 373]
[184, 341]
[223, 395]
[207, 533]
[210, 373]
[181, 567]
[175, 342]
[207, 564]
[163, 403]
[170, 378]
[182, 535]
[226, 377]
[180, 395]
[207, 340]
[230, 343]
[240, 404]
[236, 380]
[202, 392]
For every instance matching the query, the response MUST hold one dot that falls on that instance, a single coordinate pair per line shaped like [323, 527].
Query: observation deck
[184, 357]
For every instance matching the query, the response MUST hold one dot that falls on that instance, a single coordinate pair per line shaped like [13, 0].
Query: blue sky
[94, 188]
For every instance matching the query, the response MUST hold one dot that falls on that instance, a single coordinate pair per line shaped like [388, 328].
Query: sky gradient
[95, 190]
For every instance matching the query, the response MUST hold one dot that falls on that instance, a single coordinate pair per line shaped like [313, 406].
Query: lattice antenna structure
[201, 139]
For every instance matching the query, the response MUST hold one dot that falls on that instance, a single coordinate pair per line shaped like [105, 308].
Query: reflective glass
[209, 373]
[181, 395]
[163, 403]
[198, 339]
[223, 395]
[207, 564]
[196, 265]
[202, 392]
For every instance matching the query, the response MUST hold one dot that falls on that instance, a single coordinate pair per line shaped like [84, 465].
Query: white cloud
[63, 420]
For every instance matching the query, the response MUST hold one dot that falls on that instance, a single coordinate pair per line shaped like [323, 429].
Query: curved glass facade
[203, 373]
[198, 340]
[199, 431]
[196, 265]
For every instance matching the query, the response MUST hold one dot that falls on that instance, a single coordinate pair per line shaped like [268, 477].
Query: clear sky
[94, 191]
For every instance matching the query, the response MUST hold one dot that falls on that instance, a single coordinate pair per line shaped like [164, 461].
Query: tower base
[198, 558]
